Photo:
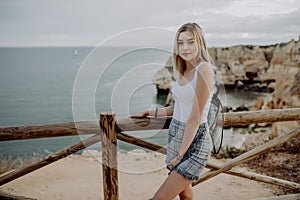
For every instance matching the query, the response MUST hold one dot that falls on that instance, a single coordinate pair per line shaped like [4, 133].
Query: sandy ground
[140, 175]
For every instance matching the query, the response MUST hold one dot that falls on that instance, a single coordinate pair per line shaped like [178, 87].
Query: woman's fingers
[139, 115]
[136, 116]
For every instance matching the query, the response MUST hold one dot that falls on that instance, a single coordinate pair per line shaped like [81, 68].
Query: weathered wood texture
[283, 197]
[109, 156]
[6, 196]
[146, 123]
[231, 119]
[249, 155]
[141, 143]
[133, 124]
[211, 164]
[50, 159]
[261, 116]
[48, 130]
[63, 129]
[255, 176]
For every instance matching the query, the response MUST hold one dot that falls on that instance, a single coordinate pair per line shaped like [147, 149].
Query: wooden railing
[113, 129]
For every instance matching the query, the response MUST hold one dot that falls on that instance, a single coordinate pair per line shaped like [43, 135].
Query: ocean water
[45, 85]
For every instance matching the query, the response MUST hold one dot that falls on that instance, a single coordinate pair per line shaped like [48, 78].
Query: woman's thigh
[187, 193]
[173, 186]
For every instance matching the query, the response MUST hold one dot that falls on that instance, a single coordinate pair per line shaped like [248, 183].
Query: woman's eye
[191, 42]
[180, 43]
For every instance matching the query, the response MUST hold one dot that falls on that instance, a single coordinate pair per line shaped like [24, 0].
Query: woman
[189, 145]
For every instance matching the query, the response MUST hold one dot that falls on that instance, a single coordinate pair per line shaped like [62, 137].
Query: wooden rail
[50, 159]
[212, 164]
[6, 196]
[112, 129]
[130, 124]
[283, 197]
[251, 154]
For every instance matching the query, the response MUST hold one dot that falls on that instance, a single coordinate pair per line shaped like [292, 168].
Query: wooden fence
[113, 129]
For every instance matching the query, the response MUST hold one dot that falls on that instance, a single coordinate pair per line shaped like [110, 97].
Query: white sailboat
[75, 52]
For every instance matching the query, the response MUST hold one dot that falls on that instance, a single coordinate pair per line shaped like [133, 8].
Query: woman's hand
[174, 162]
[141, 115]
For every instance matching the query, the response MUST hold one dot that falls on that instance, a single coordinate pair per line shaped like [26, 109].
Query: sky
[91, 22]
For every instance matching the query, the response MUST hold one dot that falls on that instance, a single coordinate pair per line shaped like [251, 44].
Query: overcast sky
[89, 22]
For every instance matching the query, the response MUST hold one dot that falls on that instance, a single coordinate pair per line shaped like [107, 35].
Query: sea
[46, 85]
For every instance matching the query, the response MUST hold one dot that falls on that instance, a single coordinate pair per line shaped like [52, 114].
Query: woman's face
[187, 46]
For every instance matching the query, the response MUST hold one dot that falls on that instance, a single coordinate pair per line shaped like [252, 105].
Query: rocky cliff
[246, 65]
[274, 69]
[284, 68]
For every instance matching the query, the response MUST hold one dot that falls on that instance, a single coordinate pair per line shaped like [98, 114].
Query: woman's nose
[185, 46]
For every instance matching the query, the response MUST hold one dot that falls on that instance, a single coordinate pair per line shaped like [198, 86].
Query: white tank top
[184, 96]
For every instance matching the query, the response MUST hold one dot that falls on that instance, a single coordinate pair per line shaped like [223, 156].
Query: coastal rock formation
[286, 95]
[253, 67]
[257, 64]
[239, 63]
[284, 67]
[162, 79]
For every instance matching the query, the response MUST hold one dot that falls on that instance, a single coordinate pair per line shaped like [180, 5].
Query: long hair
[198, 36]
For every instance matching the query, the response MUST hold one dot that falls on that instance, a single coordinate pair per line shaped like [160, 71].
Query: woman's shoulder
[205, 68]
[206, 72]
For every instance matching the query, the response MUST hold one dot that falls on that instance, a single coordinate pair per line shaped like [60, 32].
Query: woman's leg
[173, 186]
[187, 194]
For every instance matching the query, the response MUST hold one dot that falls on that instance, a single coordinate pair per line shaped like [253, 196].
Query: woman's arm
[205, 83]
[164, 111]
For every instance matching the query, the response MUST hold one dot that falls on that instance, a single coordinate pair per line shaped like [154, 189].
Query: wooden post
[109, 156]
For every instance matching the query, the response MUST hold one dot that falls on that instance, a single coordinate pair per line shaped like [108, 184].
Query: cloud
[226, 22]
[247, 8]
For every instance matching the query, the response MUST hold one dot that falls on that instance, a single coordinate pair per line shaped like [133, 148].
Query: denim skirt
[197, 154]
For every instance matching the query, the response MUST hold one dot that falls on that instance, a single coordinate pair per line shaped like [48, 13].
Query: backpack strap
[215, 96]
[216, 151]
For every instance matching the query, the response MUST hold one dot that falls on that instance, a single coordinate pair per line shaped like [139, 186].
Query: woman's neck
[190, 65]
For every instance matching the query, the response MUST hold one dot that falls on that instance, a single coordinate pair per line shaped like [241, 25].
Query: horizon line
[138, 45]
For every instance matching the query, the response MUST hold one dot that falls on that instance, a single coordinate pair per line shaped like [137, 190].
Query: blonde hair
[198, 36]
